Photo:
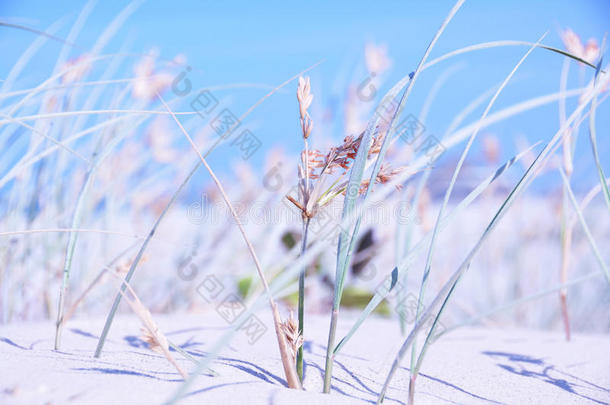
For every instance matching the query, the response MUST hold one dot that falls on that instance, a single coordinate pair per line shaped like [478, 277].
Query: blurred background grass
[242, 50]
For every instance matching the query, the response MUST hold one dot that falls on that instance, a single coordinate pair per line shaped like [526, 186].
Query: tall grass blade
[456, 172]
[344, 253]
[73, 236]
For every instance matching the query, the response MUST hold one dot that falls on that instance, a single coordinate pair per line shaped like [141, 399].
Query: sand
[467, 366]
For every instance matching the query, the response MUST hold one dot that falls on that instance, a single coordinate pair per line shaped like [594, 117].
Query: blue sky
[234, 42]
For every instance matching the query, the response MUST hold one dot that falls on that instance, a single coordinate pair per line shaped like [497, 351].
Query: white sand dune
[468, 366]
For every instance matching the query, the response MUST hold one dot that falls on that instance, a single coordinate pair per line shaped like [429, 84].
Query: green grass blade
[351, 195]
[344, 254]
[76, 217]
[73, 236]
[456, 172]
[496, 44]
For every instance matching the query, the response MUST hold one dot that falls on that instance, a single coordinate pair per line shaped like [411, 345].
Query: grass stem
[302, 299]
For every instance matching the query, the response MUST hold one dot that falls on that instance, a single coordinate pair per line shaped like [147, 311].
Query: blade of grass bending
[519, 301]
[380, 294]
[50, 138]
[489, 45]
[352, 193]
[129, 275]
[289, 369]
[462, 133]
[496, 44]
[456, 172]
[40, 33]
[585, 227]
[28, 53]
[524, 182]
[593, 138]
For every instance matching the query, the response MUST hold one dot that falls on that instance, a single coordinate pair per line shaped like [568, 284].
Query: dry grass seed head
[293, 337]
[305, 98]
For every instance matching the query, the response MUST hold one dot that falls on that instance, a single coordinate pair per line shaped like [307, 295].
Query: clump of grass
[446, 291]
[315, 171]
